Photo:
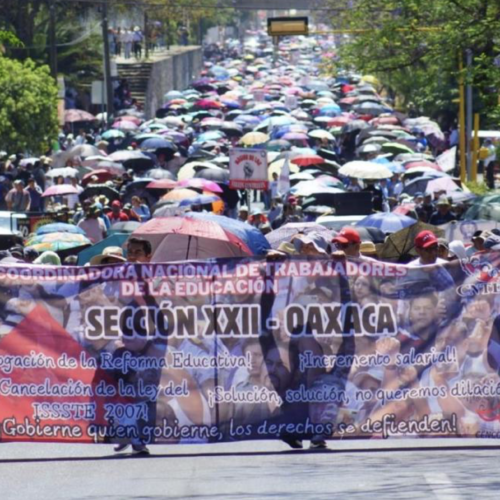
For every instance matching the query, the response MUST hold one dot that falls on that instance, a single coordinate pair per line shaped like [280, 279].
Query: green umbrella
[113, 134]
[401, 243]
[396, 148]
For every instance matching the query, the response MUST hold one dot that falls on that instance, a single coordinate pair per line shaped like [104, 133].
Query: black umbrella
[160, 173]
[371, 234]
[138, 188]
[212, 174]
[100, 190]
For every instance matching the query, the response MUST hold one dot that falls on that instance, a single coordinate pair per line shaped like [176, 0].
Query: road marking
[442, 486]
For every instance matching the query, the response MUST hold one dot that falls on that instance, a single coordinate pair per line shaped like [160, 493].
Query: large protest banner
[215, 351]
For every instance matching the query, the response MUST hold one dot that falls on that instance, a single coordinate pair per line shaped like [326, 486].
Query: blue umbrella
[387, 222]
[59, 227]
[212, 135]
[116, 240]
[330, 110]
[154, 143]
[251, 236]
[202, 199]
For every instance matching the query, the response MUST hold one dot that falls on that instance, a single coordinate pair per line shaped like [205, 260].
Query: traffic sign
[248, 168]
[287, 26]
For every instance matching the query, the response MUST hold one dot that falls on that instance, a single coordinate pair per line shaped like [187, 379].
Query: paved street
[264, 470]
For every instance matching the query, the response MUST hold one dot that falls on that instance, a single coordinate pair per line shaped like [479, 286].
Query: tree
[28, 106]
[414, 47]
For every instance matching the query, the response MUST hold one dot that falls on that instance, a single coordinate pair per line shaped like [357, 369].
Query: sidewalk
[156, 55]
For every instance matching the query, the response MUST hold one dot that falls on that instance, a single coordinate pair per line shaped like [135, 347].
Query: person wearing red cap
[426, 246]
[117, 214]
[348, 243]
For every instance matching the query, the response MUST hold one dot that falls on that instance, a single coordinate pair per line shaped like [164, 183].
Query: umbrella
[136, 160]
[60, 190]
[78, 115]
[203, 184]
[294, 136]
[278, 145]
[162, 184]
[111, 167]
[113, 134]
[125, 125]
[187, 238]
[217, 175]
[369, 148]
[98, 190]
[254, 139]
[115, 240]
[306, 161]
[251, 236]
[400, 244]
[396, 148]
[490, 211]
[321, 134]
[59, 227]
[102, 176]
[365, 170]
[56, 242]
[442, 184]
[203, 199]
[138, 187]
[154, 144]
[179, 194]
[160, 173]
[83, 151]
[387, 222]
[417, 185]
[128, 226]
[314, 189]
[287, 231]
[205, 104]
[62, 172]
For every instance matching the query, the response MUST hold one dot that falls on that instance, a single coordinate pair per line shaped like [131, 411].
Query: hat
[443, 202]
[48, 258]
[287, 248]
[457, 248]
[257, 211]
[492, 242]
[116, 203]
[12, 157]
[243, 208]
[313, 238]
[347, 235]
[443, 242]
[96, 207]
[368, 248]
[418, 193]
[18, 181]
[425, 239]
[112, 254]
[477, 235]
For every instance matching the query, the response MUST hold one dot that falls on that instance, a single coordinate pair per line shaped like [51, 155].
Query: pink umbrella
[132, 119]
[295, 136]
[163, 184]
[125, 125]
[441, 184]
[199, 183]
[78, 115]
[60, 189]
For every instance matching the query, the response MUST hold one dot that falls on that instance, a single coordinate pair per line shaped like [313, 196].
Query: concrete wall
[172, 73]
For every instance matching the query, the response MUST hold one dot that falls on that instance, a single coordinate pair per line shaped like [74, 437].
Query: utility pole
[146, 35]
[52, 39]
[469, 104]
[107, 62]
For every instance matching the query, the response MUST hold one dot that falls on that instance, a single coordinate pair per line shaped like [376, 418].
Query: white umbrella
[365, 170]
[64, 172]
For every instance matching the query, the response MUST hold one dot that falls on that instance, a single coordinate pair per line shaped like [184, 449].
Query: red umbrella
[78, 115]
[128, 118]
[60, 189]
[422, 163]
[208, 104]
[101, 174]
[184, 238]
[306, 161]
[339, 121]
[163, 184]
[199, 183]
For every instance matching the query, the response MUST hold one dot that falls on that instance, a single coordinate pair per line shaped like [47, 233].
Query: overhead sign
[287, 26]
[247, 168]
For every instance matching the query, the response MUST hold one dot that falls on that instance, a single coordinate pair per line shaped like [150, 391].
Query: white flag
[447, 160]
[284, 179]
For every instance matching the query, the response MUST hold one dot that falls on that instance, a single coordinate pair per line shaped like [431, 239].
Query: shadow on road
[125, 456]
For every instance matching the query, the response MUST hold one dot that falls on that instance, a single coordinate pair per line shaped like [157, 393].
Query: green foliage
[414, 46]
[28, 106]
[478, 188]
